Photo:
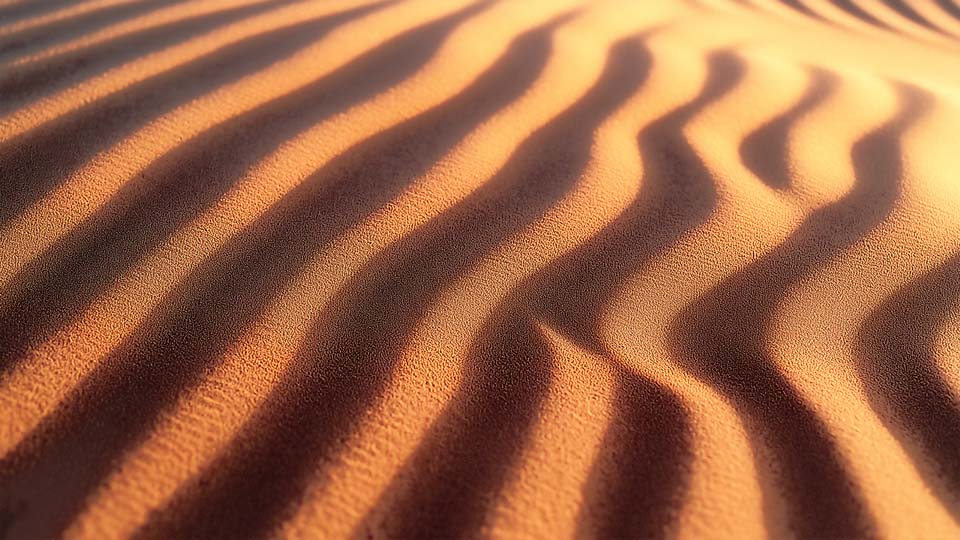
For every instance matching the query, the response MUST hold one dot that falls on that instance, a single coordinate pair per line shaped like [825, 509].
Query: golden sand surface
[487, 269]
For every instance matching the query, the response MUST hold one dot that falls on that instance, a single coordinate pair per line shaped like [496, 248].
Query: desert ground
[454, 269]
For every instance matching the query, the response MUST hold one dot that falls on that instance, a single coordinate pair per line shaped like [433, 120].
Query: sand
[420, 269]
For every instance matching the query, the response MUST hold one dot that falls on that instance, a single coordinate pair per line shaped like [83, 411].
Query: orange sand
[421, 269]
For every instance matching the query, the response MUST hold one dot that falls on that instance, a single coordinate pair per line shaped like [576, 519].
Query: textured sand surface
[507, 269]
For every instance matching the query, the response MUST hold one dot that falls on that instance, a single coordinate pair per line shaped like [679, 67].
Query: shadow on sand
[47, 477]
[721, 340]
[898, 366]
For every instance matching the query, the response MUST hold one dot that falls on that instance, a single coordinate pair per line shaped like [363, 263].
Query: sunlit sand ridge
[419, 269]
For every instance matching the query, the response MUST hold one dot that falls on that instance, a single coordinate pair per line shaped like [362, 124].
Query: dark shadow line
[795, 5]
[798, 5]
[677, 195]
[450, 484]
[636, 484]
[33, 164]
[897, 361]
[447, 487]
[34, 39]
[359, 338]
[858, 12]
[472, 448]
[950, 7]
[765, 151]
[466, 457]
[176, 187]
[26, 9]
[720, 339]
[46, 478]
[29, 82]
[907, 12]
[132, 386]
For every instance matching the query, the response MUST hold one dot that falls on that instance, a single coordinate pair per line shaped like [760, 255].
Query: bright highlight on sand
[493, 269]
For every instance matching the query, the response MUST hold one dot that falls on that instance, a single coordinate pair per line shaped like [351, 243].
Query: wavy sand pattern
[419, 269]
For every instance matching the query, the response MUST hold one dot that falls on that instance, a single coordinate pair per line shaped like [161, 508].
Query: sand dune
[419, 269]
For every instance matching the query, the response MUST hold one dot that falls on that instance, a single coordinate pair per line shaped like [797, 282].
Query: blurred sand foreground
[515, 269]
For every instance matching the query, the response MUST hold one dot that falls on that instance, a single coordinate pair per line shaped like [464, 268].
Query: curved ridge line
[12, 45]
[664, 195]
[38, 161]
[799, 6]
[467, 454]
[139, 375]
[898, 367]
[171, 14]
[821, 500]
[373, 314]
[58, 10]
[509, 329]
[21, 121]
[641, 474]
[851, 8]
[58, 285]
[795, 5]
[286, 320]
[343, 364]
[950, 7]
[765, 151]
[904, 10]
[41, 77]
